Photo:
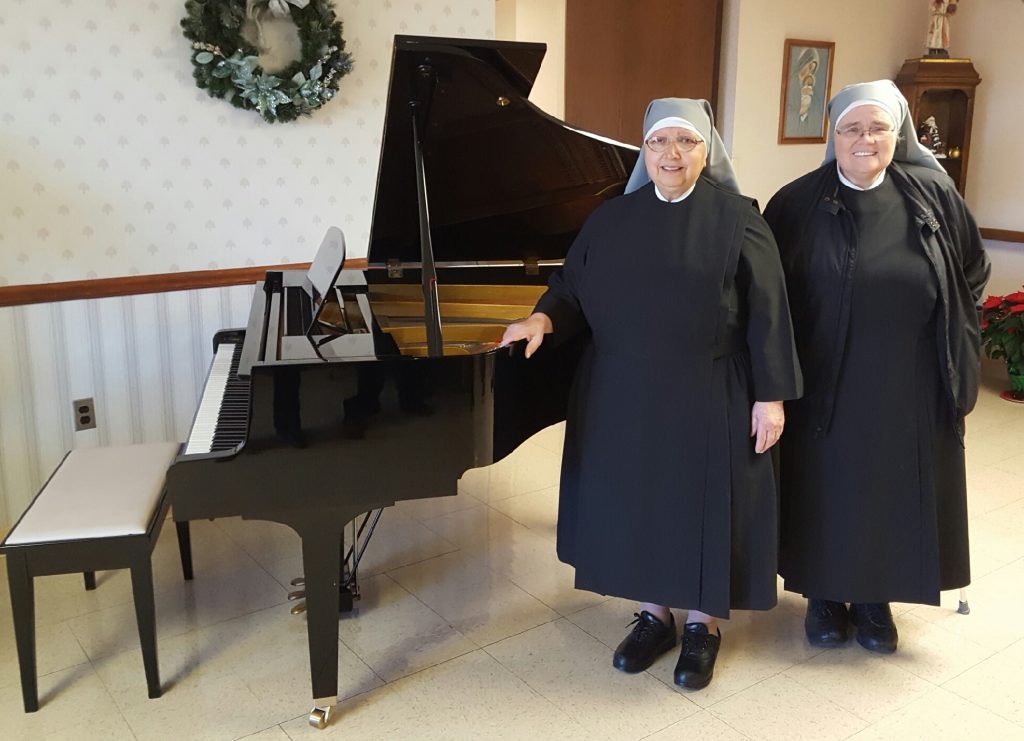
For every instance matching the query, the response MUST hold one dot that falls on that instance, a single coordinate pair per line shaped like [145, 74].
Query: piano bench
[101, 509]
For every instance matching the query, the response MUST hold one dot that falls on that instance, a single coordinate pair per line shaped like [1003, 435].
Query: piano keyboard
[223, 415]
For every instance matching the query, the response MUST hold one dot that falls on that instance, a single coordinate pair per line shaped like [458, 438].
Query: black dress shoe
[875, 629]
[827, 623]
[648, 640]
[697, 656]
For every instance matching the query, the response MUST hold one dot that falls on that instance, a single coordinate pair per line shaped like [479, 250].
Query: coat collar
[906, 183]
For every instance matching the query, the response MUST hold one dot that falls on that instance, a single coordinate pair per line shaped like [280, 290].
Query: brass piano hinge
[532, 265]
[395, 268]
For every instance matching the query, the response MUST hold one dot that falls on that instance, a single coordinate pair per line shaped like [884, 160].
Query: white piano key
[200, 438]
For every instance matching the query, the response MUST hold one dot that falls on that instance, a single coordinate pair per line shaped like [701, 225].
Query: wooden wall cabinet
[943, 88]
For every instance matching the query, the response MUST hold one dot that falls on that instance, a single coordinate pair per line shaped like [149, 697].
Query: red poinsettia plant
[1002, 333]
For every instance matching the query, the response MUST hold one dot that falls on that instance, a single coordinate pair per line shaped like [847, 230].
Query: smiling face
[675, 171]
[863, 157]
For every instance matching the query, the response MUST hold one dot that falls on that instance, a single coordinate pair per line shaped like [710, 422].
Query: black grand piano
[348, 393]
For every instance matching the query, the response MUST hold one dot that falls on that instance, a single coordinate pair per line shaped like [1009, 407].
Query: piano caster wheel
[320, 717]
[297, 594]
[298, 609]
[298, 581]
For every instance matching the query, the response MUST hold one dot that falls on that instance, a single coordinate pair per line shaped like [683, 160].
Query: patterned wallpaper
[113, 162]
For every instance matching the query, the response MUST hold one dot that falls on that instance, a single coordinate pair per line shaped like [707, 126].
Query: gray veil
[908, 149]
[698, 112]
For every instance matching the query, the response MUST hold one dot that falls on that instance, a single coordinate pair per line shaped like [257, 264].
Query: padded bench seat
[101, 509]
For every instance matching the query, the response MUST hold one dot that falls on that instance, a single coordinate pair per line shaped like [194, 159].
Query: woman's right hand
[532, 330]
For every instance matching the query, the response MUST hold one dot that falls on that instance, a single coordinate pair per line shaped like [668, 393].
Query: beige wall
[544, 21]
[872, 39]
[990, 33]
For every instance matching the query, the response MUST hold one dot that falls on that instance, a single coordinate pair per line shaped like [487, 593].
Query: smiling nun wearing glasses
[666, 494]
[885, 267]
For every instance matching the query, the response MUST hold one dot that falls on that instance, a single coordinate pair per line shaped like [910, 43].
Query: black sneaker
[648, 640]
[827, 623]
[875, 629]
[697, 656]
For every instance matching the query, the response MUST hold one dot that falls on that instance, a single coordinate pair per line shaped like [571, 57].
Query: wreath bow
[280, 7]
[257, 10]
[227, 65]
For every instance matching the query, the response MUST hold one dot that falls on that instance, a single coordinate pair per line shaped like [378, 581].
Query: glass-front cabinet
[941, 97]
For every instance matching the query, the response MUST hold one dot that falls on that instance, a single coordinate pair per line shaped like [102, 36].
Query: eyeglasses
[662, 143]
[856, 132]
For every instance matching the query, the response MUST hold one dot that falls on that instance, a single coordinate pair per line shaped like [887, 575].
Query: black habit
[873, 485]
[662, 497]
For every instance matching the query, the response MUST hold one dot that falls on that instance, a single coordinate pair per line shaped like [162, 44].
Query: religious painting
[806, 88]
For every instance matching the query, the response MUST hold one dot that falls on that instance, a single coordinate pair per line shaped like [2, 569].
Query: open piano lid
[505, 181]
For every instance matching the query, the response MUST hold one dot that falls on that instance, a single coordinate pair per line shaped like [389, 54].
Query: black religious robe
[662, 496]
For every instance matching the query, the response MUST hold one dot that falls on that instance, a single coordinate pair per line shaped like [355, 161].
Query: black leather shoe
[648, 640]
[827, 623]
[875, 629]
[697, 656]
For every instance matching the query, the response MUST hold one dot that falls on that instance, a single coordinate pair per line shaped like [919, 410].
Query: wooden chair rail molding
[72, 290]
[1002, 235]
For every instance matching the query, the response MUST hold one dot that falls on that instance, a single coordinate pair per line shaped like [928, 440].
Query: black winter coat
[950, 238]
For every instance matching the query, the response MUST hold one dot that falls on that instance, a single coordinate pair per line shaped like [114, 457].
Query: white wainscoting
[143, 359]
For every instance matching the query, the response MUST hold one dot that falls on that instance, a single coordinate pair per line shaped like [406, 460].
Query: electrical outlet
[85, 414]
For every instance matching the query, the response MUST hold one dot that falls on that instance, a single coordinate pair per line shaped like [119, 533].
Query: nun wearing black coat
[885, 268]
[667, 496]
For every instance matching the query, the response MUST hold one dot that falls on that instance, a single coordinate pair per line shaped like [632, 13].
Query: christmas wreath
[228, 40]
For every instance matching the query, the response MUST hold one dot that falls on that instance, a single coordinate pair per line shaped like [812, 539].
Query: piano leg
[321, 530]
[320, 558]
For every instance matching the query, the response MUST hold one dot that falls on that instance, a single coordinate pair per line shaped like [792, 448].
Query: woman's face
[865, 144]
[674, 171]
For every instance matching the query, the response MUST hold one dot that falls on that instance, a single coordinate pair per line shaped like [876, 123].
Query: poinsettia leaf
[317, 72]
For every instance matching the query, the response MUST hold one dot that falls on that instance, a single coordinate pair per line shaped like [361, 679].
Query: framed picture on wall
[806, 88]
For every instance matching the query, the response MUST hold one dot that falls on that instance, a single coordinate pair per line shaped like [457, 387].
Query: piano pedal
[297, 594]
[298, 581]
[298, 608]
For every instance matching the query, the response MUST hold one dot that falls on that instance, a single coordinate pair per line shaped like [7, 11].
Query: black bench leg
[185, 548]
[24, 608]
[90, 579]
[145, 614]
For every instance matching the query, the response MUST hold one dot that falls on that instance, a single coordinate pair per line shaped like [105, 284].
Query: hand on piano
[532, 330]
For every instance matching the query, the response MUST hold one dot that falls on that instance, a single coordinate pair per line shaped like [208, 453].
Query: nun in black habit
[666, 495]
[885, 268]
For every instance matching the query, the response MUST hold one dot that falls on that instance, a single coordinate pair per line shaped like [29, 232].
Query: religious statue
[928, 135]
[937, 40]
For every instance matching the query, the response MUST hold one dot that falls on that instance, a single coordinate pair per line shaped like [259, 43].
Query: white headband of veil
[699, 118]
[888, 97]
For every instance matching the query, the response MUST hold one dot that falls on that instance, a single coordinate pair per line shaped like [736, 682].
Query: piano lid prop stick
[431, 307]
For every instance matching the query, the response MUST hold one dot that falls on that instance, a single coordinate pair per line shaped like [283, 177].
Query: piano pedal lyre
[349, 591]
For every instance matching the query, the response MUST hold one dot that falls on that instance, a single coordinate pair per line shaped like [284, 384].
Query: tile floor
[469, 628]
